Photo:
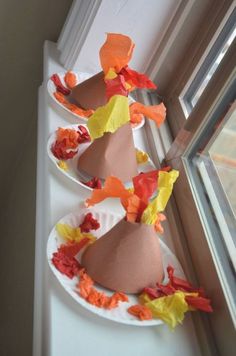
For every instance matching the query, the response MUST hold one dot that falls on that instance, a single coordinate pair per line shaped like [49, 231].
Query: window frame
[220, 38]
[189, 208]
[184, 205]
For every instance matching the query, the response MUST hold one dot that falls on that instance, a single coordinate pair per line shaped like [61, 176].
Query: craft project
[116, 77]
[59, 88]
[67, 144]
[112, 151]
[91, 93]
[128, 258]
[64, 258]
[60, 84]
[167, 302]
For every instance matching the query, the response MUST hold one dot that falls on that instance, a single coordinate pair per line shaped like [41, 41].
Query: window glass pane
[210, 64]
[216, 166]
[222, 153]
[214, 65]
[211, 165]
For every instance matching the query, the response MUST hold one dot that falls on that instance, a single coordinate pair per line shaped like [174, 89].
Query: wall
[24, 25]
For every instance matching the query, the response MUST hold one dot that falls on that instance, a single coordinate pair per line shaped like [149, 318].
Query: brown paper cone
[126, 259]
[112, 154]
[91, 93]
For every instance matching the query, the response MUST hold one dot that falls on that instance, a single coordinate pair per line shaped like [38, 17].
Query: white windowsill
[61, 327]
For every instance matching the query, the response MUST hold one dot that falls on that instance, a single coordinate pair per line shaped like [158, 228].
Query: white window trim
[75, 30]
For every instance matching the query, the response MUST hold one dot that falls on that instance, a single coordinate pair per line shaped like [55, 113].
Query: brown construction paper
[126, 259]
[91, 93]
[113, 154]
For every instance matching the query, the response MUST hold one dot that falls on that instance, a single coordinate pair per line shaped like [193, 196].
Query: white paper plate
[107, 221]
[73, 173]
[80, 78]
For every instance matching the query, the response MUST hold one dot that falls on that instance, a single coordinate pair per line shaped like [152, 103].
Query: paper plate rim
[51, 89]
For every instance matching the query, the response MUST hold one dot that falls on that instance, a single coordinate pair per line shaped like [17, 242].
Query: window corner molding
[76, 29]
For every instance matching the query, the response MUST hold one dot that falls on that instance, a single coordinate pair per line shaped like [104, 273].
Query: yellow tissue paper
[63, 165]
[170, 309]
[165, 186]
[72, 234]
[111, 74]
[128, 86]
[166, 181]
[144, 298]
[110, 117]
[141, 156]
[149, 215]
